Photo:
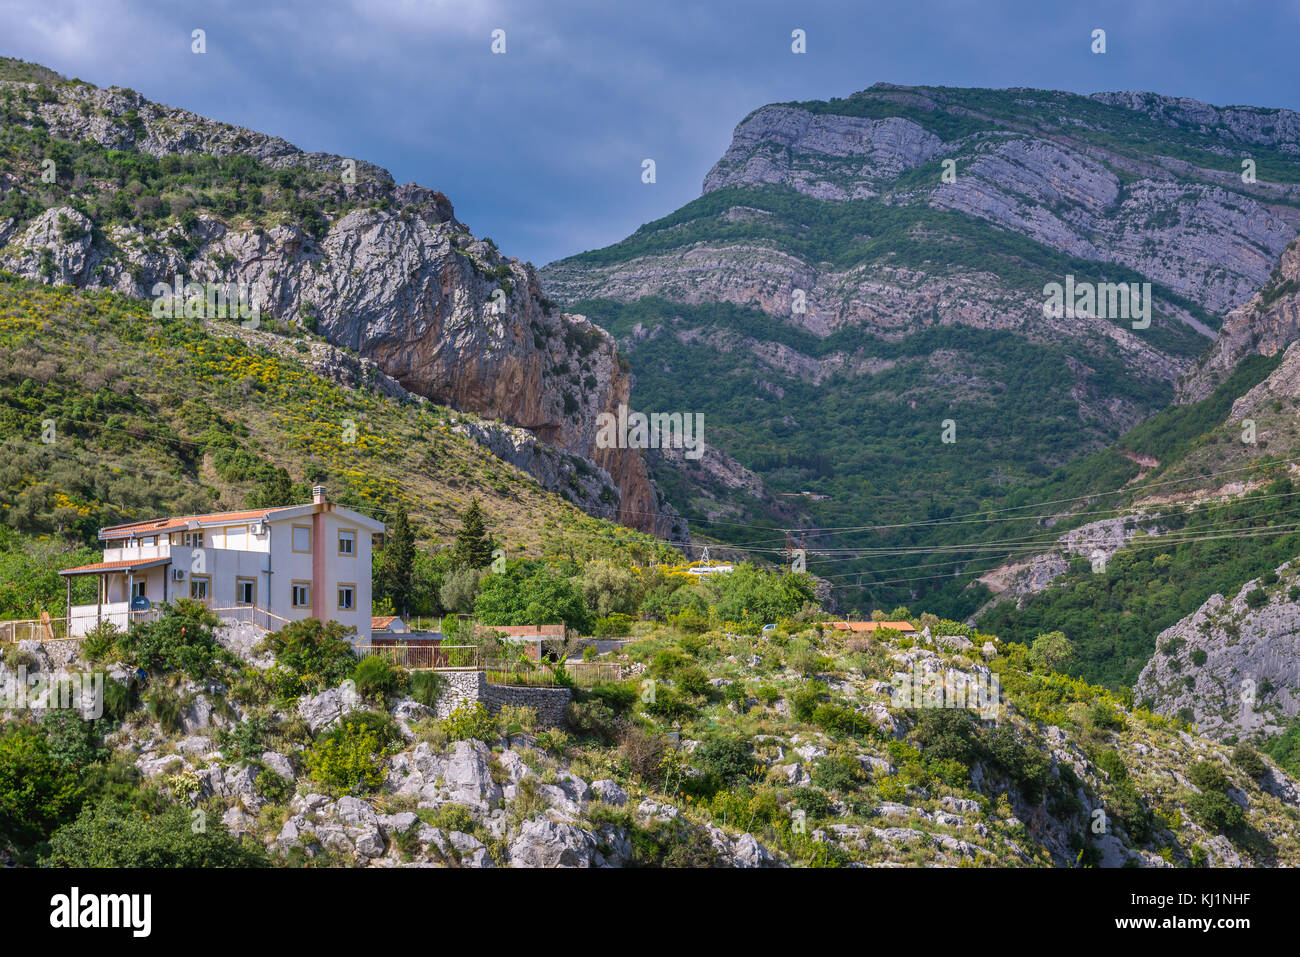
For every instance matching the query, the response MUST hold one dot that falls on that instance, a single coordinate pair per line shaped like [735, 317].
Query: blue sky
[541, 147]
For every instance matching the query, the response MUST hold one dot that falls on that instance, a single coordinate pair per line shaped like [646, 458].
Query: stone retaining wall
[470, 687]
[549, 703]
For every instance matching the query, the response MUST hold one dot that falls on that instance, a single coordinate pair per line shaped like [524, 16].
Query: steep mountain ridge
[859, 272]
[142, 193]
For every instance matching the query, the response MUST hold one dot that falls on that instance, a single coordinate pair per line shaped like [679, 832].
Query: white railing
[139, 553]
[84, 618]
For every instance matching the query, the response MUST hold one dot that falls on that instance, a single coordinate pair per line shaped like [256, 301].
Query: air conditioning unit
[258, 528]
[178, 574]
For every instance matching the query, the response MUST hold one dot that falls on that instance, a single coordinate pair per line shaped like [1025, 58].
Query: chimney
[318, 494]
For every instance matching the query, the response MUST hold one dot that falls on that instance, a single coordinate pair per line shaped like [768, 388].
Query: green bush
[311, 656]
[726, 760]
[1208, 776]
[109, 835]
[470, 722]
[805, 698]
[181, 639]
[838, 773]
[1248, 759]
[427, 687]
[377, 678]
[1216, 811]
[348, 760]
[38, 790]
[594, 719]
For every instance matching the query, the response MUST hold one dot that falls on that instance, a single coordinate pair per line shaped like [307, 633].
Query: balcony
[137, 553]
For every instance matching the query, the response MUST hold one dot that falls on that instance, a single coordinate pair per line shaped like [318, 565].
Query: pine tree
[394, 578]
[473, 548]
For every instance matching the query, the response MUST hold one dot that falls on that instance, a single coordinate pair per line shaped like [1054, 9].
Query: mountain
[1232, 668]
[109, 414]
[101, 188]
[863, 277]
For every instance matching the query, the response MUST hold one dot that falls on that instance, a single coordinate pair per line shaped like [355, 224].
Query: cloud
[541, 148]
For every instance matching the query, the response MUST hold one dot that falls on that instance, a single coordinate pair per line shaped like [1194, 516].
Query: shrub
[804, 700]
[109, 835]
[1256, 598]
[72, 739]
[1216, 811]
[245, 741]
[1112, 764]
[1248, 759]
[643, 751]
[726, 760]
[180, 640]
[427, 687]
[311, 656]
[166, 708]
[1208, 776]
[838, 773]
[100, 643]
[468, 722]
[594, 719]
[377, 678]
[1198, 656]
[348, 760]
[37, 790]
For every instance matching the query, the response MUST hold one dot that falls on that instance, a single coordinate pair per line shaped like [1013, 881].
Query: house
[268, 565]
[529, 636]
[870, 626]
[387, 626]
[706, 570]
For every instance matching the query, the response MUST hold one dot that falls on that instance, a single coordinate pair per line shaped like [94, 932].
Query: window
[302, 594]
[346, 595]
[245, 591]
[199, 587]
[302, 538]
[237, 537]
[347, 542]
[138, 590]
[193, 539]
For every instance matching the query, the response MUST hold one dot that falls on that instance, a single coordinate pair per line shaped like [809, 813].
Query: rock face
[1096, 541]
[388, 273]
[842, 252]
[1269, 322]
[1233, 666]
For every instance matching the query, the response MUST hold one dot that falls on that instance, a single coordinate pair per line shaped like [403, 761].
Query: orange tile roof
[382, 621]
[155, 526]
[872, 625]
[529, 631]
[115, 566]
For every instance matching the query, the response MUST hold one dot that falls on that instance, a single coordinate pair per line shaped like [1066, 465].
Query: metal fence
[426, 657]
[583, 674]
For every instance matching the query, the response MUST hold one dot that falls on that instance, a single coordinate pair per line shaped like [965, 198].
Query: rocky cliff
[858, 271]
[1267, 323]
[1232, 667]
[383, 270]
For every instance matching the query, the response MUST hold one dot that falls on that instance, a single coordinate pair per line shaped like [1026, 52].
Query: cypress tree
[473, 548]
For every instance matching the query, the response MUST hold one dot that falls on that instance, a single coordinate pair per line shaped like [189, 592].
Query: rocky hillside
[102, 188]
[1264, 325]
[859, 271]
[799, 749]
[1232, 668]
